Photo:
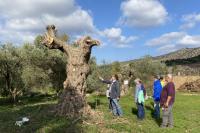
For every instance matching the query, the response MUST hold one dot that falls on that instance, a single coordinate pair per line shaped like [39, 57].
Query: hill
[185, 53]
[182, 54]
[185, 59]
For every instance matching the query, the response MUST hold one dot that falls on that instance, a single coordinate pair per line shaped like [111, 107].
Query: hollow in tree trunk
[72, 101]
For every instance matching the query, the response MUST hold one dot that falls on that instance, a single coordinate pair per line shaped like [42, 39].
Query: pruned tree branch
[51, 41]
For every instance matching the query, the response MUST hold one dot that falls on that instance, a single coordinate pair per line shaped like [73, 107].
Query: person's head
[115, 77]
[156, 77]
[161, 78]
[169, 78]
[137, 81]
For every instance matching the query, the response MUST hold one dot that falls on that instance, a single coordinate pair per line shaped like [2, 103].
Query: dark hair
[161, 78]
[116, 77]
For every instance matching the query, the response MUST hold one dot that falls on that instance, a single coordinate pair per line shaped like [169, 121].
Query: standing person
[108, 96]
[167, 101]
[114, 94]
[139, 98]
[157, 89]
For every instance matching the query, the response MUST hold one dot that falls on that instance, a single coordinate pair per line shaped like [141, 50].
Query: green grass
[186, 117]
[38, 110]
[186, 113]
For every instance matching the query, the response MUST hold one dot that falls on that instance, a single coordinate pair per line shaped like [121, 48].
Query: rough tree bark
[72, 100]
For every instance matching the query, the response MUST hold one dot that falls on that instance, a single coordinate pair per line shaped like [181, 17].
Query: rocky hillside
[186, 61]
[181, 54]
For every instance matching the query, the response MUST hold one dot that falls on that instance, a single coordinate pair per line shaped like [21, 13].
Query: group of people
[163, 96]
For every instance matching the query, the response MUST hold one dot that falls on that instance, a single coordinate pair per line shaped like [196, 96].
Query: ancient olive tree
[72, 100]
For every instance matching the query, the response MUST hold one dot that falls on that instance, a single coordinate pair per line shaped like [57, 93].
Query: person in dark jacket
[157, 89]
[114, 94]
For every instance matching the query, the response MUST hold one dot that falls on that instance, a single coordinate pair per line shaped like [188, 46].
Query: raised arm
[51, 41]
[105, 81]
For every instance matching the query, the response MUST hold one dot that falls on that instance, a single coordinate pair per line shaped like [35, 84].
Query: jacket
[139, 93]
[140, 97]
[115, 88]
[157, 89]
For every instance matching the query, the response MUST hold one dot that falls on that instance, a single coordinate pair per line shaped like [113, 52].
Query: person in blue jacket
[157, 89]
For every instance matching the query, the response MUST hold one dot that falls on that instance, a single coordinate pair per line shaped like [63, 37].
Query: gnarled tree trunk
[72, 101]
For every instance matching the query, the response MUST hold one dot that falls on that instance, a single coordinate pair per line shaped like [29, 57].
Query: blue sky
[127, 29]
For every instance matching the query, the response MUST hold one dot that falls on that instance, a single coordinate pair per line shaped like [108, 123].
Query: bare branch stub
[72, 101]
[51, 41]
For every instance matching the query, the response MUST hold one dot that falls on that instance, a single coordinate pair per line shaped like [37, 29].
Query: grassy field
[42, 120]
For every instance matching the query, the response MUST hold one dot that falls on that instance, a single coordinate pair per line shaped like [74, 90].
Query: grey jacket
[115, 88]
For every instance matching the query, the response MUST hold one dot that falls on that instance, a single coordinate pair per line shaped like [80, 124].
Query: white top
[107, 93]
[109, 90]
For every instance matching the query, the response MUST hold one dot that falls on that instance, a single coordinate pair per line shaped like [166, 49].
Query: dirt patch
[180, 80]
[97, 119]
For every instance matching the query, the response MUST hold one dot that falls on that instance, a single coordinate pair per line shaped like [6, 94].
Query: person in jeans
[139, 98]
[157, 89]
[167, 101]
[114, 94]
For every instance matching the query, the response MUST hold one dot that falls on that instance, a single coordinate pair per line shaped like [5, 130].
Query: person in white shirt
[108, 96]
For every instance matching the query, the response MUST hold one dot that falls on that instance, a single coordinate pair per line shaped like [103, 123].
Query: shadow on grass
[95, 103]
[134, 111]
[42, 118]
[27, 100]
[147, 107]
[150, 108]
